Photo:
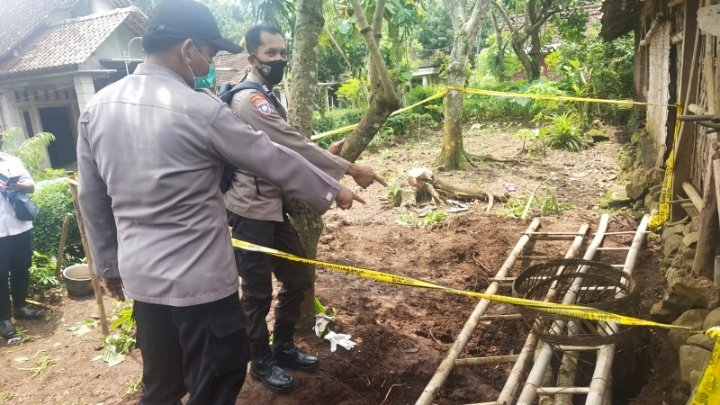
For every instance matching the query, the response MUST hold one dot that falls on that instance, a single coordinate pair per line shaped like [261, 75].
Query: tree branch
[375, 56]
[473, 24]
[544, 19]
[456, 10]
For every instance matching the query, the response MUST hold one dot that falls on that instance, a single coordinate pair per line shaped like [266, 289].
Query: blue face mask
[203, 82]
[207, 81]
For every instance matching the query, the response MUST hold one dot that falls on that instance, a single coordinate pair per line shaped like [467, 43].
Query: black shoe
[269, 373]
[8, 332]
[28, 313]
[288, 355]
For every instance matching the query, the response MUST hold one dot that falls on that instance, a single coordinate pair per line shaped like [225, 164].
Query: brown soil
[402, 333]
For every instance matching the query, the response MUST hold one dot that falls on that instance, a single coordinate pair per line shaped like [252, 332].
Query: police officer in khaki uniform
[256, 214]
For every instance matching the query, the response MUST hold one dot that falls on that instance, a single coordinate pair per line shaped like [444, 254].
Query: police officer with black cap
[150, 155]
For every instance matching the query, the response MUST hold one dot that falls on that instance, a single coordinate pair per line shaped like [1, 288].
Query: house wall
[658, 91]
[115, 47]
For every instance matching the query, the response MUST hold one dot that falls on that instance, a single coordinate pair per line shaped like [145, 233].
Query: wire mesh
[594, 284]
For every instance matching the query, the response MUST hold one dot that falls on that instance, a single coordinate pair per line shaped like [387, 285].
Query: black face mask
[272, 71]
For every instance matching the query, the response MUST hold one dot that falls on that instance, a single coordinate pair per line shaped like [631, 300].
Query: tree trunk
[308, 25]
[383, 98]
[452, 156]
[535, 45]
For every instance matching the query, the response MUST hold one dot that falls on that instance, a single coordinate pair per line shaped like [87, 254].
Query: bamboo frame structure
[446, 366]
[542, 359]
[511, 385]
[601, 377]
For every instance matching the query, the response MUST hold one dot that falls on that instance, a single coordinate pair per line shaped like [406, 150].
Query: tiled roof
[231, 68]
[66, 45]
[20, 18]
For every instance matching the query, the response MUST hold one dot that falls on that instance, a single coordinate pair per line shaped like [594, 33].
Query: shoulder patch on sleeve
[261, 104]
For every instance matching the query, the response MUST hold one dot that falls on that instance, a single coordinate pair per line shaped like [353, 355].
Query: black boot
[8, 332]
[265, 368]
[25, 312]
[287, 354]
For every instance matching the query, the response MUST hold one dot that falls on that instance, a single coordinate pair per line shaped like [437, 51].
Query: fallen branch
[425, 182]
[41, 305]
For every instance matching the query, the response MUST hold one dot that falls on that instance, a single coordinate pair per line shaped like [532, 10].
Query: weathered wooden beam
[703, 264]
[687, 94]
[693, 195]
[677, 38]
[675, 3]
[652, 30]
[696, 109]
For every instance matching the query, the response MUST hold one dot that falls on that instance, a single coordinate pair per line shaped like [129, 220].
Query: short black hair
[155, 43]
[252, 36]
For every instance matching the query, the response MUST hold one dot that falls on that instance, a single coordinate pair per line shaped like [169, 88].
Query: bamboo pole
[602, 376]
[542, 360]
[61, 249]
[694, 196]
[88, 255]
[478, 361]
[446, 366]
[511, 385]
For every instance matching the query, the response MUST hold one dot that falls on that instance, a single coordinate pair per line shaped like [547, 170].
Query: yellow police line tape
[347, 128]
[706, 393]
[570, 310]
[663, 213]
[495, 93]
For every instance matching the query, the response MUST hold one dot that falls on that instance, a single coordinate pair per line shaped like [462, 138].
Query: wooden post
[685, 143]
[88, 255]
[703, 265]
[61, 249]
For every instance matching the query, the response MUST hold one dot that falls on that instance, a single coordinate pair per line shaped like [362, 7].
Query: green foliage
[6, 397]
[434, 108]
[32, 153]
[478, 106]
[435, 33]
[133, 387]
[430, 219]
[84, 326]
[42, 274]
[533, 141]
[351, 93]
[122, 337]
[337, 118]
[41, 366]
[492, 62]
[54, 200]
[545, 202]
[401, 125]
[592, 67]
[564, 131]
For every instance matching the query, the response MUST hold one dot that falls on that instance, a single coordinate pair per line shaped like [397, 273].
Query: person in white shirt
[15, 248]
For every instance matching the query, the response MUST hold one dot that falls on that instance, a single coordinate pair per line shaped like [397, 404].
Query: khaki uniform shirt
[150, 157]
[251, 195]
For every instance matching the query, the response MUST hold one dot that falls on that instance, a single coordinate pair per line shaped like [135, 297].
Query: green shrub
[433, 108]
[54, 200]
[42, 274]
[564, 131]
[351, 93]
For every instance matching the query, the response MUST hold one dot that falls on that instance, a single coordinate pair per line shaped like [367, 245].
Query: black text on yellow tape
[569, 310]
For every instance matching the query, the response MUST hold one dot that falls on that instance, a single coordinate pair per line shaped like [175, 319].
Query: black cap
[188, 18]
